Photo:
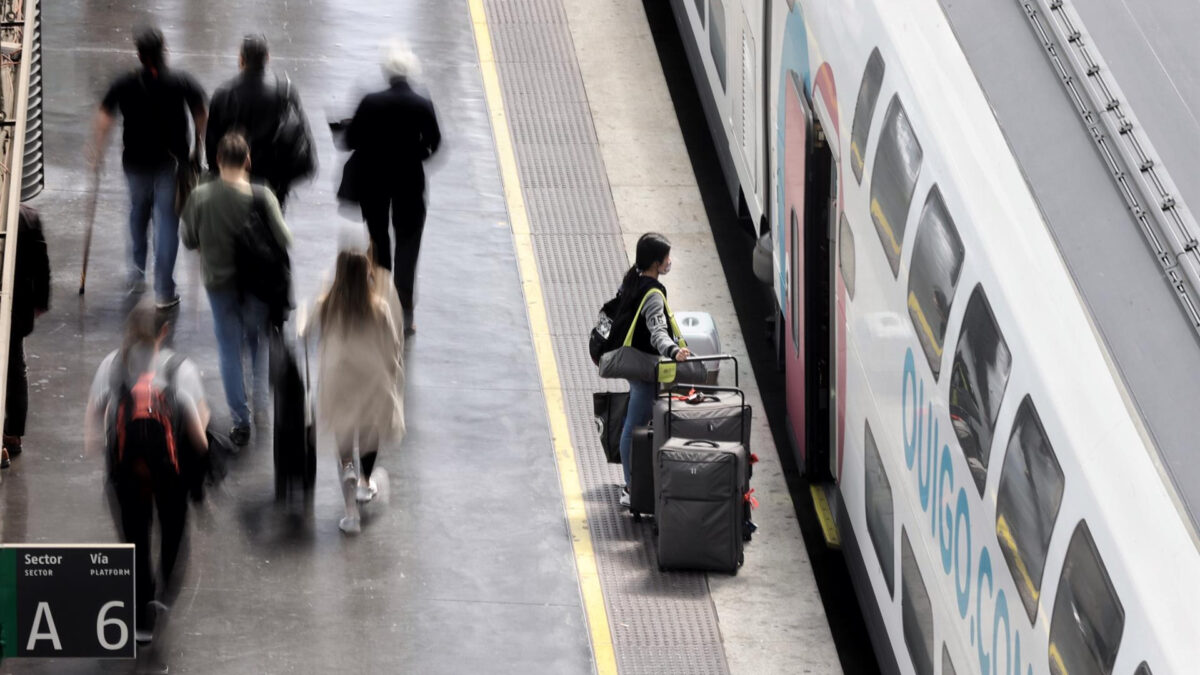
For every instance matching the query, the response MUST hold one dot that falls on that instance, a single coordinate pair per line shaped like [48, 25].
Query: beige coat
[361, 373]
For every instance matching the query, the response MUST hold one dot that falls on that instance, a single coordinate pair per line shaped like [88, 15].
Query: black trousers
[408, 219]
[16, 400]
[139, 489]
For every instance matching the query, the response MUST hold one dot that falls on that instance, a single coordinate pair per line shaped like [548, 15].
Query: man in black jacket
[267, 112]
[392, 133]
[31, 298]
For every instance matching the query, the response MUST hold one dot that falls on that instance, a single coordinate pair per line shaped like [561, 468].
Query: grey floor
[469, 567]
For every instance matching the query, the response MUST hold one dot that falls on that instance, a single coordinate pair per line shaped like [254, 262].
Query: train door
[808, 184]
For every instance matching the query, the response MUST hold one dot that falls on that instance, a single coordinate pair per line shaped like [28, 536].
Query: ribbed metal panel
[34, 175]
[661, 623]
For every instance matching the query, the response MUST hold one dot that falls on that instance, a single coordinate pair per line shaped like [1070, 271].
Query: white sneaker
[350, 525]
[625, 497]
[366, 491]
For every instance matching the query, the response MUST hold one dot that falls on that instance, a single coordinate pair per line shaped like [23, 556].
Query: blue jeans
[239, 322]
[152, 193]
[641, 408]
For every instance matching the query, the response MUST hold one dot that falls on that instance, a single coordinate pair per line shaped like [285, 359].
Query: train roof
[1151, 51]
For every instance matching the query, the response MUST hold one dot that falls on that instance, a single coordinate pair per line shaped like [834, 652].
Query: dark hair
[652, 247]
[254, 52]
[232, 151]
[351, 298]
[142, 328]
[150, 46]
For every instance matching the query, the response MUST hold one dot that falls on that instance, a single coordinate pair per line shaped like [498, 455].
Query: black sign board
[71, 600]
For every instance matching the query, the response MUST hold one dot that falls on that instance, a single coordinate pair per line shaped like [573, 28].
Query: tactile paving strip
[661, 623]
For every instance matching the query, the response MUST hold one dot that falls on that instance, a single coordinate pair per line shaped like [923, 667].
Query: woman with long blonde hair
[361, 376]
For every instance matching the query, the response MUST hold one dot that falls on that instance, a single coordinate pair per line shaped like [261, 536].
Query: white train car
[984, 275]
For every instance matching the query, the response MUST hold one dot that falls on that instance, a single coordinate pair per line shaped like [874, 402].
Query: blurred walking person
[148, 411]
[31, 299]
[391, 134]
[267, 112]
[215, 221]
[360, 377]
[155, 102]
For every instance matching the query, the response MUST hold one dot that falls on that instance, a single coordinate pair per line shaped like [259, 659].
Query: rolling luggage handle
[703, 389]
[701, 359]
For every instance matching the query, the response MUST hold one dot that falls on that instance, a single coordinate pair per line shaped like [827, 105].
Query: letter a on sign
[43, 613]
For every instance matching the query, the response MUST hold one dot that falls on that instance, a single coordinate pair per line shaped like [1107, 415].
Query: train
[1001, 493]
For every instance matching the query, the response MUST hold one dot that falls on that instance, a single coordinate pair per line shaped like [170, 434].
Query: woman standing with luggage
[361, 375]
[651, 333]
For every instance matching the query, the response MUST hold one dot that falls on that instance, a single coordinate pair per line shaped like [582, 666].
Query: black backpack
[293, 153]
[263, 268]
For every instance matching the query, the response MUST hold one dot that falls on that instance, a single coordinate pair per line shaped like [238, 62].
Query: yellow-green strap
[670, 320]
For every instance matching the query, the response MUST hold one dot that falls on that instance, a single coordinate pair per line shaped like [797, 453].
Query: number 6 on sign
[102, 622]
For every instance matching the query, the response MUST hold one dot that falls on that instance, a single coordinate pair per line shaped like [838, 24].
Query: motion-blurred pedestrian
[31, 299]
[267, 112]
[155, 102]
[360, 378]
[148, 411]
[215, 219]
[392, 133]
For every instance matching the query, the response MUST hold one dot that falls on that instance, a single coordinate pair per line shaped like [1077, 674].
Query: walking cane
[91, 220]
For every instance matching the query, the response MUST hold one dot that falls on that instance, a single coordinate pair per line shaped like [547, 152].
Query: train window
[947, 664]
[1143, 669]
[846, 254]
[1088, 617]
[1031, 490]
[716, 38]
[937, 261]
[977, 382]
[916, 609]
[897, 163]
[864, 110]
[700, 11]
[879, 511]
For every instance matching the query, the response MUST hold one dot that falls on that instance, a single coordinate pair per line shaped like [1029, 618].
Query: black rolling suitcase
[702, 489]
[707, 413]
[295, 437]
[641, 473]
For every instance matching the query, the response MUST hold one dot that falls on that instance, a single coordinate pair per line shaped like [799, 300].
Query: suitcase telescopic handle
[703, 359]
[701, 388]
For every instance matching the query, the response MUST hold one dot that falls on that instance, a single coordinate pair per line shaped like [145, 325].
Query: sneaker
[5, 462]
[240, 434]
[366, 490]
[625, 497]
[350, 525]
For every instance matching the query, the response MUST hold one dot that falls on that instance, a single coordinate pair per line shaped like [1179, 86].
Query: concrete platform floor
[469, 568]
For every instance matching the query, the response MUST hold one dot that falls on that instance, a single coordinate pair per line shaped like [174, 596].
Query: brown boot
[13, 445]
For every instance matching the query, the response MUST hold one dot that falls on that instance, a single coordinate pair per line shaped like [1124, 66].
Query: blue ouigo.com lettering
[950, 529]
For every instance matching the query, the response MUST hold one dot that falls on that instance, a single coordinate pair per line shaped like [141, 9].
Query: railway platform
[502, 548]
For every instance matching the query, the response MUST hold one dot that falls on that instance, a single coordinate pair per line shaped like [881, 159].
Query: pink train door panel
[795, 155]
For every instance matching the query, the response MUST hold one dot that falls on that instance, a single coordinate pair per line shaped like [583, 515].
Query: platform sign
[73, 600]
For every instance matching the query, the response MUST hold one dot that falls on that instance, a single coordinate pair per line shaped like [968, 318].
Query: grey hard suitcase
[701, 491]
[700, 332]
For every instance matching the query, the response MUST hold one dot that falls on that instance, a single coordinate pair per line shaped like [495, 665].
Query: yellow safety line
[825, 515]
[564, 453]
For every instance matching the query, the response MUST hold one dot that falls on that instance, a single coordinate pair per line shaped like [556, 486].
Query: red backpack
[146, 417]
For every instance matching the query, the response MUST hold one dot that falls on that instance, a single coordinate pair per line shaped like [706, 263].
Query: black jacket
[31, 281]
[253, 103]
[392, 133]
